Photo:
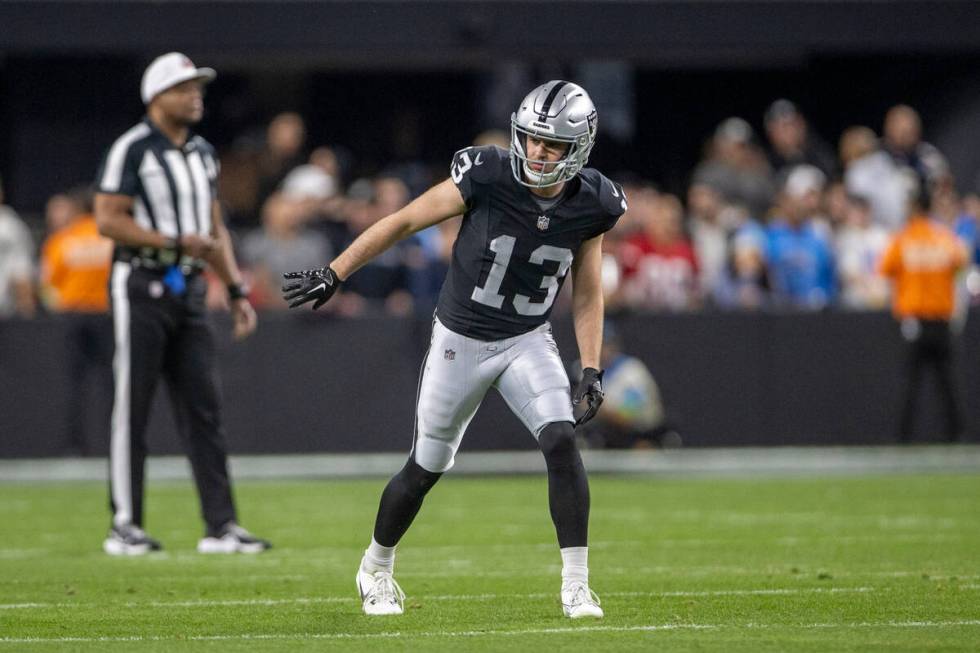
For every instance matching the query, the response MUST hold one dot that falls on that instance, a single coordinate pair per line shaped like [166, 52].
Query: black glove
[319, 284]
[590, 389]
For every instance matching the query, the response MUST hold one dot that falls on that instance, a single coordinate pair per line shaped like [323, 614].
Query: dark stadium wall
[309, 383]
[65, 111]
[66, 90]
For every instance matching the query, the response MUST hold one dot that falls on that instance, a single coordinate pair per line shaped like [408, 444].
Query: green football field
[844, 564]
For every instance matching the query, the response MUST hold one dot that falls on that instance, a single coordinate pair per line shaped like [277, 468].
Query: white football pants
[458, 371]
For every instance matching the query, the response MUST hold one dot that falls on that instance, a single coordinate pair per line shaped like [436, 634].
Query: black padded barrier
[314, 383]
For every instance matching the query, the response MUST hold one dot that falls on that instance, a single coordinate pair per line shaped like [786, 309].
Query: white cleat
[129, 540]
[380, 594]
[232, 538]
[579, 602]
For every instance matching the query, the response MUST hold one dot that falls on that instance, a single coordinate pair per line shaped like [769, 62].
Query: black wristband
[236, 291]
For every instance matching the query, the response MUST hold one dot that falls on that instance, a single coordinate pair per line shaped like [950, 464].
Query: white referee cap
[167, 71]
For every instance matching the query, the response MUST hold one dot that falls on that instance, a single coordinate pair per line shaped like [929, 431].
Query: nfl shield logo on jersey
[543, 221]
[450, 355]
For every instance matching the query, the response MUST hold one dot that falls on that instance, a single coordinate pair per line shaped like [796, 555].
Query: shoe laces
[579, 593]
[385, 589]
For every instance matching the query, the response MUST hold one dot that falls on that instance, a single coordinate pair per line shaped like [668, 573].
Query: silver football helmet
[555, 111]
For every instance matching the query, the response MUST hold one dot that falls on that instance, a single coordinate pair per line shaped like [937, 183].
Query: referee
[156, 200]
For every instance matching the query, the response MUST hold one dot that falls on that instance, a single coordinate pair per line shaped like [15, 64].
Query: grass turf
[857, 564]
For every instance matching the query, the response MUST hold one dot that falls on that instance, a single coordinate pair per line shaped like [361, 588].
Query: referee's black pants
[159, 333]
[929, 345]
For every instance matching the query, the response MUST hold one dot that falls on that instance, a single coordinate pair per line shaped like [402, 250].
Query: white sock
[575, 564]
[378, 558]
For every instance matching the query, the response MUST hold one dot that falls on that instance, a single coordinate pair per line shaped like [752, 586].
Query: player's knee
[557, 442]
[434, 455]
[416, 480]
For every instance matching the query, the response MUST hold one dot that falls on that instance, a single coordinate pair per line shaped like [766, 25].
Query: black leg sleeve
[568, 485]
[400, 502]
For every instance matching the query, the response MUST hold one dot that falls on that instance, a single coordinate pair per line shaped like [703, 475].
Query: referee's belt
[159, 260]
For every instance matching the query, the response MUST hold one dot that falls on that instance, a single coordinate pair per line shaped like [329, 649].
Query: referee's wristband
[237, 291]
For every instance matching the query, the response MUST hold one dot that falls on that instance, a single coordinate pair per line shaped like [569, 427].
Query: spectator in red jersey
[660, 268]
[640, 193]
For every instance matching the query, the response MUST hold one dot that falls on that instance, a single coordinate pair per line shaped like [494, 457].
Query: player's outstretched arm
[587, 310]
[439, 203]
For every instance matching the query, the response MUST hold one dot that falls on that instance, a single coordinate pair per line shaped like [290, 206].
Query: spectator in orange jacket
[922, 260]
[75, 259]
[75, 262]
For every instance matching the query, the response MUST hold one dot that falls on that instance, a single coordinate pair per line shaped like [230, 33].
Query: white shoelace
[579, 593]
[385, 590]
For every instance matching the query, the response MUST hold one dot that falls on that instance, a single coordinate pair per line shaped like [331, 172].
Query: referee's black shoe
[129, 540]
[232, 538]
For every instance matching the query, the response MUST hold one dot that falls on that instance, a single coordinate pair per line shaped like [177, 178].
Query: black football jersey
[511, 256]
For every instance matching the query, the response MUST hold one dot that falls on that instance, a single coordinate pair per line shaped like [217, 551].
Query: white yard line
[442, 597]
[707, 462]
[494, 597]
[483, 633]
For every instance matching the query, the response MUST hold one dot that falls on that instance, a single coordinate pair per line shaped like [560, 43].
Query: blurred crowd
[782, 222]
[772, 221]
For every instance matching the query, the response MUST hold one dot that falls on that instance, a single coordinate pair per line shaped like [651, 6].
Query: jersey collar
[570, 189]
[189, 145]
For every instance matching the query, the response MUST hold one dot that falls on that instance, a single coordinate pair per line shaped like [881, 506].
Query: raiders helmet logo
[593, 119]
[543, 222]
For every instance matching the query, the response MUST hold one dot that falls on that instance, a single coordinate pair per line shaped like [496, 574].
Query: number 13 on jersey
[503, 248]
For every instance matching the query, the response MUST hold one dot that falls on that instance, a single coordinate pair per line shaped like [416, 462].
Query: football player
[530, 216]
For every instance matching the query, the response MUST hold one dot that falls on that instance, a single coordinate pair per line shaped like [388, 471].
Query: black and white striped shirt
[172, 187]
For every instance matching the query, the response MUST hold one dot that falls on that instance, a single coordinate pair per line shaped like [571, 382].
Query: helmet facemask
[574, 159]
